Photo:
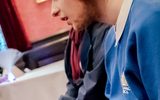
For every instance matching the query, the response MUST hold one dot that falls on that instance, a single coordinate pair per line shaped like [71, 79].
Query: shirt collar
[122, 18]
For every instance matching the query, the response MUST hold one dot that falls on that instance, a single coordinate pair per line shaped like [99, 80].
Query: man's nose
[54, 10]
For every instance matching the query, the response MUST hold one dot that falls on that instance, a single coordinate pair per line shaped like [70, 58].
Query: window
[3, 44]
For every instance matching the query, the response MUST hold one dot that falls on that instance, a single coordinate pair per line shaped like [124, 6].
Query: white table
[45, 83]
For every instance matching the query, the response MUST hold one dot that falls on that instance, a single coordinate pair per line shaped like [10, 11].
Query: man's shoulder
[145, 14]
[143, 8]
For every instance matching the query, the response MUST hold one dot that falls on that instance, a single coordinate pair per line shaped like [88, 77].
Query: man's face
[75, 12]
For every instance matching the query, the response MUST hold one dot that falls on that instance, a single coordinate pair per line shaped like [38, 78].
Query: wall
[37, 19]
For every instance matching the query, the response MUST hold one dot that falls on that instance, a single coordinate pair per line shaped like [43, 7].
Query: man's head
[78, 13]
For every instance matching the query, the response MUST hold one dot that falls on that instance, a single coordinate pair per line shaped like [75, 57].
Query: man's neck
[109, 10]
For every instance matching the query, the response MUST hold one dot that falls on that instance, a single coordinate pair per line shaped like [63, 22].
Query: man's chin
[75, 28]
[69, 23]
[78, 28]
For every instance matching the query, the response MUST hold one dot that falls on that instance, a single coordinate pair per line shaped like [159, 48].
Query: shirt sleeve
[147, 56]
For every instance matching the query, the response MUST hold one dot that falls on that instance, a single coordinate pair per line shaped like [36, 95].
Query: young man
[84, 61]
[132, 57]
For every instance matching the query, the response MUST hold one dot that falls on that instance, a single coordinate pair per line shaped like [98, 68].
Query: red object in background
[13, 31]
[37, 19]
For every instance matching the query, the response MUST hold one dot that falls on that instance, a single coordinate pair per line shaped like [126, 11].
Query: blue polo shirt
[133, 66]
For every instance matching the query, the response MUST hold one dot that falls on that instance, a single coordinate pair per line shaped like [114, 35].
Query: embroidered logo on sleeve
[124, 85]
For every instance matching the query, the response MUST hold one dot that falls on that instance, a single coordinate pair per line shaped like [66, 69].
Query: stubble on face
[86, 17]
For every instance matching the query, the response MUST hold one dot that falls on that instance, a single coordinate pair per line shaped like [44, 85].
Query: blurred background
[29, 27]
